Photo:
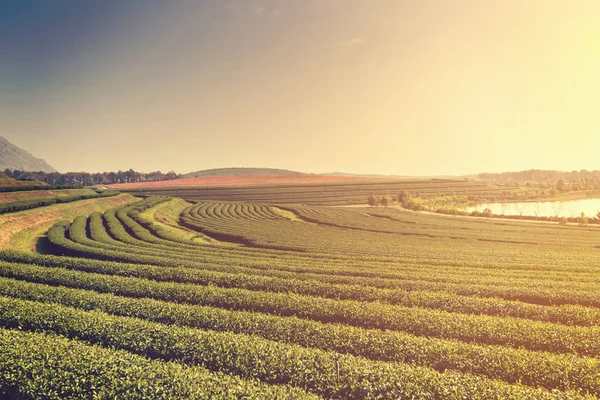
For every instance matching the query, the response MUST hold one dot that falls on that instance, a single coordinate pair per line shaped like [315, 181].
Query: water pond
[570, 208]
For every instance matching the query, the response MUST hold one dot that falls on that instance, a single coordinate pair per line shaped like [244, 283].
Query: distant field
[347, 191]
[238, 180]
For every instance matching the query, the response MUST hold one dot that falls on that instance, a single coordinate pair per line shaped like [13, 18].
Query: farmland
[9, 197]
[21, 229]
[324, 199]
[265, 300]
[238, 180]
[296, 301]
[312, 190]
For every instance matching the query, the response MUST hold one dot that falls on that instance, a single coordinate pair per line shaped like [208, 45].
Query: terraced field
[21, 230]
[35, 199]
[267, 301]
[9, 197]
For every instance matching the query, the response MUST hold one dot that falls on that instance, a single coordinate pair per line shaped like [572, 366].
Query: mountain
[240, 171]
[12, 157]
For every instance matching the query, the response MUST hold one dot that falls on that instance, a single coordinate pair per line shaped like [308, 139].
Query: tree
[171, 175]
[385, 200]
[560, 185]
[583, 220]
[402, 197]
[373, 200]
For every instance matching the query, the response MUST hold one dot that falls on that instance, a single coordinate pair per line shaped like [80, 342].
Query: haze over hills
[13, 157]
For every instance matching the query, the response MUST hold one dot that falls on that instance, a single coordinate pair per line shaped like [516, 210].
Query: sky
[427, 87]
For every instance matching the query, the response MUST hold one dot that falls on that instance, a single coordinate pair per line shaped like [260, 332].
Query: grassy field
[286, 301]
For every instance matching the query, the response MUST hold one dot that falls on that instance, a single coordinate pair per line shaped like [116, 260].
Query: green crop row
[35, 203]
[204, 222]
[330, 375]
[385, 265]
[25, 188]
[384, 277]
[393, 292]
[565, 314]
[513, 332]
[156, 229]
[395, 233]
[539, 369]
[41, 366]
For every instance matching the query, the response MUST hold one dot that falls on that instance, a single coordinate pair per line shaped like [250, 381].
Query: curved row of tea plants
[42, 366]
[331, 375]
[531, 368]
[319, 286]
[35, 203]
[390, 232]
[514, 332]
[543, 292]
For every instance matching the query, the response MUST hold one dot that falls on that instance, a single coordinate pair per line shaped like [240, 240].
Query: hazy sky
[394, 87]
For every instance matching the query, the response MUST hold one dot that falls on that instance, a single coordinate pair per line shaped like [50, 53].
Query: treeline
[543, 176]
[29, 204]
[417, 201]
[410, 200]
[89, 179]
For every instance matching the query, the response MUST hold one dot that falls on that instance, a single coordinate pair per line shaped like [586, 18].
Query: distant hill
[240, 171]
[13, 157]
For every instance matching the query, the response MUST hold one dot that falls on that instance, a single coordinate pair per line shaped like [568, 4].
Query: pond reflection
[569, 209]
